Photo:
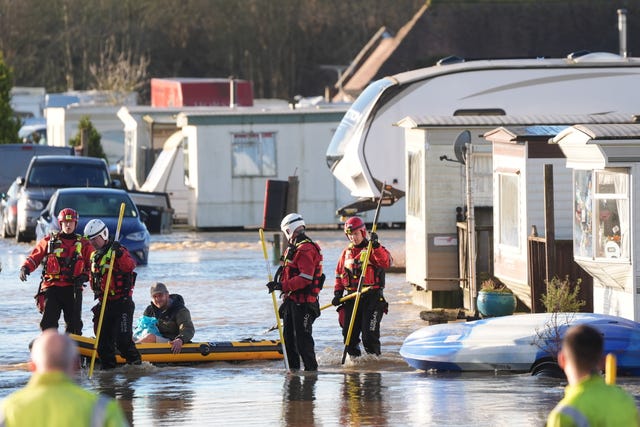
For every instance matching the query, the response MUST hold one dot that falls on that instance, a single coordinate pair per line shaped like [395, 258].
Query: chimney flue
[622, 30]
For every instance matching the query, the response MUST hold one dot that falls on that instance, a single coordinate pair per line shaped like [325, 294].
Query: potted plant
[495, 299]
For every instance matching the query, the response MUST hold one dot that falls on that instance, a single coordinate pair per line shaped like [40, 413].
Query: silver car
[9, 210]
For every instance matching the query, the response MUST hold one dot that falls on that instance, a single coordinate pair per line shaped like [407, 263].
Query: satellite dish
[460, 145]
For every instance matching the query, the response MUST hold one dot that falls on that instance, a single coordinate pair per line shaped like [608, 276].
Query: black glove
[336, 298]
[374, 240]
[24, 272]
[274, 286]
[117, 248]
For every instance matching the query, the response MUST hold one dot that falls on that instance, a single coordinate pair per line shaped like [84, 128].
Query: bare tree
[119, 72]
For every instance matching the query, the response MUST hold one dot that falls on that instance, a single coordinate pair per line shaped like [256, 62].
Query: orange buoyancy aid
[63, 262]
[291, 269]
[353, 258]
[122, 282]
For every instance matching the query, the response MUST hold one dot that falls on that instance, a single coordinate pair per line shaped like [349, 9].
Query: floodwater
[221, 277]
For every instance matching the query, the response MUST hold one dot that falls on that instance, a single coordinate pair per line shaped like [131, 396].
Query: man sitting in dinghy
[174, 319]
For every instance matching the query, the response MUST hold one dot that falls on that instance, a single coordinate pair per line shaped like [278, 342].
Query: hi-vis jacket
[52, 399]
[64, 258]
[592, 402]
[350, 263]
[301, 275]
[122, 276]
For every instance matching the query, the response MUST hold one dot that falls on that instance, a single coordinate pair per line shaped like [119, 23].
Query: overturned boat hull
[518, 343]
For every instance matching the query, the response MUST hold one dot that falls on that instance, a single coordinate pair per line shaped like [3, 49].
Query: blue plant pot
[495, 304]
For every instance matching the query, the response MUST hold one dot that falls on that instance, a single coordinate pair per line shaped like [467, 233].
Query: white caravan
[367, 149]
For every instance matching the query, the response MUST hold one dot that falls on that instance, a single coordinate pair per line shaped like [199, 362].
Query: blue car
[103, 204]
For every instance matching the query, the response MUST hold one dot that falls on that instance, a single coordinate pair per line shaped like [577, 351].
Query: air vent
[450, 60]
[480, 112]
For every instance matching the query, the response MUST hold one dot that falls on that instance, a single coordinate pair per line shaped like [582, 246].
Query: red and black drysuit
[301, 279]
[372, 304]
[117, 324]
[65, 267]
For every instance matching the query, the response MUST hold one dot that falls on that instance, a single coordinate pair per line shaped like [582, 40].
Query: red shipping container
[184, 92]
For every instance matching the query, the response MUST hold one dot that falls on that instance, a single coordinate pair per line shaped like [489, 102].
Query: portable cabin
[437, 197]
[606, 202]
[229, 155]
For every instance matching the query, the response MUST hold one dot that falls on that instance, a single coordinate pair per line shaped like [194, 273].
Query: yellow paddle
[106, 293]
[365, 264]
[347, 297]
[275, 303]
[610, 369]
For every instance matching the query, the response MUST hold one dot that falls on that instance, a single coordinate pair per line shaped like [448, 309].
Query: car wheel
[547, 368]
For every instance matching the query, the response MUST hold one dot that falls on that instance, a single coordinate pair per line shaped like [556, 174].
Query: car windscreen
[96, 204]
[61, 175]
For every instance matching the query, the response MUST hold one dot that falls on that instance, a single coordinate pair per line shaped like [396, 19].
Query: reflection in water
[299, 399]
[118, 387]
[163, 401]
[362, 399]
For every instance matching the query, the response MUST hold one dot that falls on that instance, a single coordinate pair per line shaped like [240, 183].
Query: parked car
[46, 174]
[104, 204]
[9, 210]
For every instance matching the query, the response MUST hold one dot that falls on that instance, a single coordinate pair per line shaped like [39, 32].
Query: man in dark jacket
[174, 319]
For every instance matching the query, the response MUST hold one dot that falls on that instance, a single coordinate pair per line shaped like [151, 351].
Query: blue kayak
[517, 343]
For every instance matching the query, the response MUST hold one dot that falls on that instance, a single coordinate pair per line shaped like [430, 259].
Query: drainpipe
[622, 30]
[471, 229]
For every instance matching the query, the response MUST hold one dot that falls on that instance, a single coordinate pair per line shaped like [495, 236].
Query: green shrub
[562, 296]
[94, 138]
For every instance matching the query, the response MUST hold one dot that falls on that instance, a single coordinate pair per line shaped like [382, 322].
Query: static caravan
[368, 150]
[146, 129]
[438, 192]
[521, 159]
[62, 125]
[606, 200]
[228, 156]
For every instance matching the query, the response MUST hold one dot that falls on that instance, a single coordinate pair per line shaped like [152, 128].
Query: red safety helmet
[354, 223]
[68, 214]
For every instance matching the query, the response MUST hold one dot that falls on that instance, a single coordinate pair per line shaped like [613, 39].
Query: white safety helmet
[96, 227]
[291, 223]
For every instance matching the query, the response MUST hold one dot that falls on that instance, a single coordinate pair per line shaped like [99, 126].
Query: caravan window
[601, 214]
[253, 154]
[415, 187]
[509, 202]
